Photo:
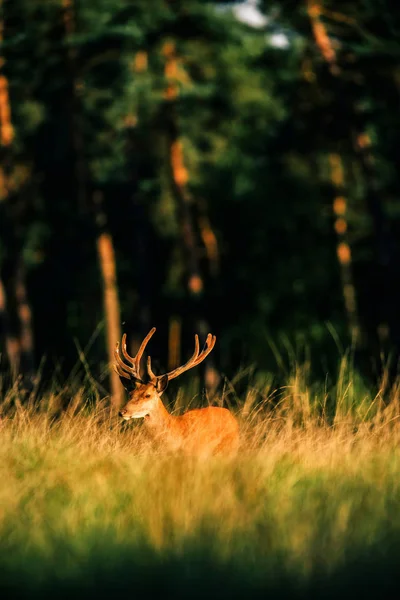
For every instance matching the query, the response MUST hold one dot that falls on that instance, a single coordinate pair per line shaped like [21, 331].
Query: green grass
[310, 508]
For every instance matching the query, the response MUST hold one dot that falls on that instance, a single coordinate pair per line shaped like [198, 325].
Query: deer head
[145, 391]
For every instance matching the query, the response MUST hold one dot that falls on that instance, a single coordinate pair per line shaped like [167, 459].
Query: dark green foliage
[257, 123]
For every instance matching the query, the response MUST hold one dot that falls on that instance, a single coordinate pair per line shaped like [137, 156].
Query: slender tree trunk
[322, 39]
[142, 251]
[328, 52]
[6, 127]
[343, 248]
[11, 341]
[14, 305]
[106, 254]
[179, 174]
[17, 320]
[25, 321]
[6, 138]
[179, 177]
[174, 342]
[208, 237]
[385, 317]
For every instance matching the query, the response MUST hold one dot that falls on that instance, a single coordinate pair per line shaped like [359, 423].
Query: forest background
[164, 162]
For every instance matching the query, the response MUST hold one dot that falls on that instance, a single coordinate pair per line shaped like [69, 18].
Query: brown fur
[204, 431]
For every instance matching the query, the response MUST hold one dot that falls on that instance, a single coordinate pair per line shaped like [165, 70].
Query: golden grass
[313, 497]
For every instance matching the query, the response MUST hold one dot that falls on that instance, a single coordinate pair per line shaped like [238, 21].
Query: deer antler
[197, 357]
[131, 371]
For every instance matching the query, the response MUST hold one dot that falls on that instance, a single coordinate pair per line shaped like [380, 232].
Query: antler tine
[133, 369]
[208, 346]
[121, 368]
[120, 372]
[141, 349]
[125, 352]
[197, 358]
[190, 363]
[152, 376]
[135, 361]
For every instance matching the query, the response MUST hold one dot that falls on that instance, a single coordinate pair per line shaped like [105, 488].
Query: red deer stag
[203, 431]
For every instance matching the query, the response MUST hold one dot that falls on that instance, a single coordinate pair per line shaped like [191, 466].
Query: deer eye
[148, 396]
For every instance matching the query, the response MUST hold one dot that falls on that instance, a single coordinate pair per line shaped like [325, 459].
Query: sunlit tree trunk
[24, 313]
[142, 252]
[322, 39]
[175, 76]
[385, 319]
[340, 204]
[6, 137]
[16, 320]
[179, 174]
[12, 345]
[174, 342]
[179, 178]
[106, 254]
[6, 127]
[14, 306]
[208, 237]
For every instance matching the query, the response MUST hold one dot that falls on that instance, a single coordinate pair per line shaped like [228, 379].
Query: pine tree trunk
[174, 342]
[322, 39]
[25, 320]
[106, 255]
[17, 321]
[14, 306]
[6, 138]
[179, 177]
[141, 247]
[384, 270]
[208, 237]
[11, 343]
[6, 127]
[343, 247]
[326, 48]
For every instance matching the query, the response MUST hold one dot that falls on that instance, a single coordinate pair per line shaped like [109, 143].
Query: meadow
[310, 507]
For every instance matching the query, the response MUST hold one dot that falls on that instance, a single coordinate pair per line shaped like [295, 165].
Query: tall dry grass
[311, 504]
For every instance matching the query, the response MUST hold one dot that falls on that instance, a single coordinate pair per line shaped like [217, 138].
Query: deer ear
[162, 383]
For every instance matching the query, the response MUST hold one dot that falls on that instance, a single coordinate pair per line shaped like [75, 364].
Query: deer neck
[160, 419]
